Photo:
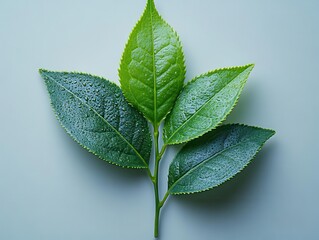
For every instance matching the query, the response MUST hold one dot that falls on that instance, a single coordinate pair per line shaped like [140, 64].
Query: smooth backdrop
[52, 189]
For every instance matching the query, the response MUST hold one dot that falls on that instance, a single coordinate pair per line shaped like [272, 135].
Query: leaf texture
[152, 69]
[204, 103]
[214, 158]
[96, 115]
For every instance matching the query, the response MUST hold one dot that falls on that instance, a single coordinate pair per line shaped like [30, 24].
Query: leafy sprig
[112, 122]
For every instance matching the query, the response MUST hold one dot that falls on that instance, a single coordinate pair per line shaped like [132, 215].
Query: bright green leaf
[215, 158]
[152, 68]
[204, 103]
[96, 115]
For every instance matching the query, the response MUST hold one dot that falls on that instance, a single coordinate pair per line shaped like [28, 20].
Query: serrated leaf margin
[126, 44]
[226, 115]
[69, 133]
[258, 150]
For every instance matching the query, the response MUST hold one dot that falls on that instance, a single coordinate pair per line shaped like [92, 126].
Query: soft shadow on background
[101, 169]
[227, 194]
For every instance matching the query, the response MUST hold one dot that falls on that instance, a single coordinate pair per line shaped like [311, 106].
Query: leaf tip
[42, 71]
[150, 2]
[250, 66]
[272, 132]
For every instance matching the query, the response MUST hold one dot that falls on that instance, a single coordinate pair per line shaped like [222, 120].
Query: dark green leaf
[152, 68]
[204, 103]
[214, 158]
[96, 115]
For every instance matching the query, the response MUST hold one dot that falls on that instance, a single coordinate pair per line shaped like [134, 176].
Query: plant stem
[156, 223]
[154, 178]
[164, 199]
[155, 182]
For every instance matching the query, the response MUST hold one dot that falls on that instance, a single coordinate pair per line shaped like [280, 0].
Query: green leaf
[96, 115]
[215, 158]
[152, 69]
[204, 103]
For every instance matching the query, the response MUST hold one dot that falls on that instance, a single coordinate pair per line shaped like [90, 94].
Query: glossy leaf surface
[204, 103]
[96, 115]
[152, 68]
[209, 161]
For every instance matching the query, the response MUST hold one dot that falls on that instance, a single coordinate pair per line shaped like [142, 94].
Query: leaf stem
[162, 152]
[155, 182]
[150, 174]
[154, 178]
[164, 199]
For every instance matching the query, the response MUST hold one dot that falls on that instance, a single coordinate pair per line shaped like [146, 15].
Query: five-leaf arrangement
[113, 122]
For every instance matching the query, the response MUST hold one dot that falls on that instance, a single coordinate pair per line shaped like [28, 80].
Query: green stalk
[155, 182]
[158, 203]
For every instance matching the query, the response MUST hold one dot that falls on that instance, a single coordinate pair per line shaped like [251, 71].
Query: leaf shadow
[99, 171]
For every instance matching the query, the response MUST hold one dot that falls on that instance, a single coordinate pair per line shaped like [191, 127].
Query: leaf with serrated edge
[152, 69]
[204, 103]
[96, 115]
[214, 158]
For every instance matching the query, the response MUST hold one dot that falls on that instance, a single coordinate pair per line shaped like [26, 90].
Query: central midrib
[154, 68]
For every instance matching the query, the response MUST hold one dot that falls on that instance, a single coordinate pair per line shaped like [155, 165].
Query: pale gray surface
[52, 189]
